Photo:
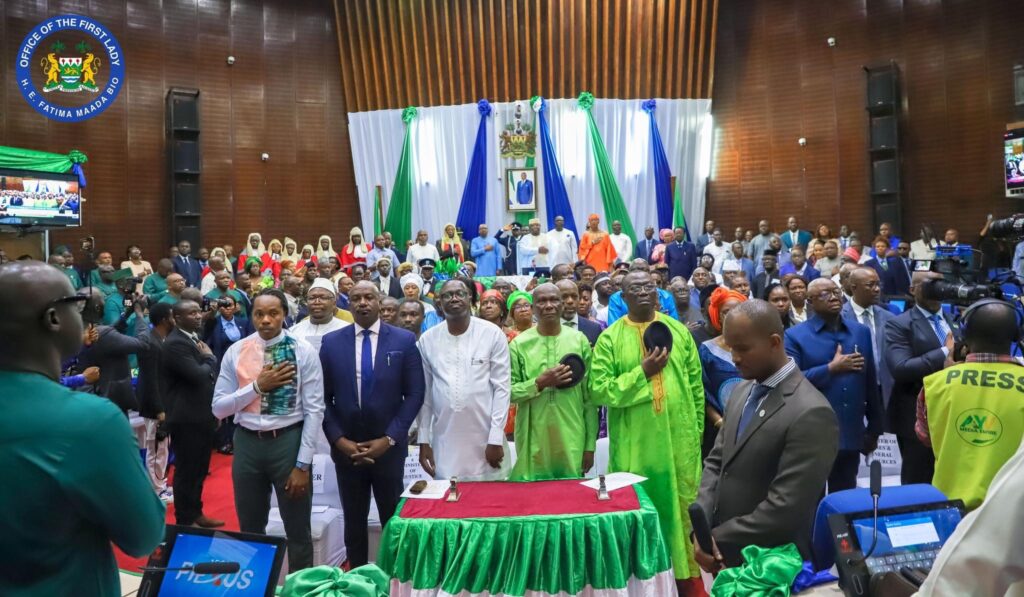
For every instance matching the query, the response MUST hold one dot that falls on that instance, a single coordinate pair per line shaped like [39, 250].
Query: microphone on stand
[200, 568]
[876, 492]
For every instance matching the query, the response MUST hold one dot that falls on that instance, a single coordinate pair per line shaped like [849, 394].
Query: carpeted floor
[218, 502]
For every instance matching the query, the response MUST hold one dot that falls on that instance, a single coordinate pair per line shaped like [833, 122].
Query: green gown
[655, 426]
[553, 427]
[154, 287]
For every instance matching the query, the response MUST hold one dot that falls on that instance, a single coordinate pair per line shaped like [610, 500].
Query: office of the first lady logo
[70, 68]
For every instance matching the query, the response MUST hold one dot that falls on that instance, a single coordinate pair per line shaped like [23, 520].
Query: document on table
[435, 490]
[613, 481]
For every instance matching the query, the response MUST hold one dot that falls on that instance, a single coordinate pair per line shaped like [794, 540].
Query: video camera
[961, 283]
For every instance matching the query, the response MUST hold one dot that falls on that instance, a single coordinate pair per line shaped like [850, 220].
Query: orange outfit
[601, 255]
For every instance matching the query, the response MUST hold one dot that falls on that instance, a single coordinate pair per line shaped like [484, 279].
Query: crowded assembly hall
[511, 298]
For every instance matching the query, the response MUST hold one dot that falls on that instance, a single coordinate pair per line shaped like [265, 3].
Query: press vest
[976, 421]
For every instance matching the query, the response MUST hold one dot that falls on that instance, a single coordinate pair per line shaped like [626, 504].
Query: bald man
[66, 496]
[762, 480]
[176, 284]
[837, 355]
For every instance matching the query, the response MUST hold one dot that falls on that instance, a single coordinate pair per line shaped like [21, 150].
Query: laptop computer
[259, 558]
[908, 537]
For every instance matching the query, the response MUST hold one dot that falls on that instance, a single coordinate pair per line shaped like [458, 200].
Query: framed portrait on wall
[521, 189]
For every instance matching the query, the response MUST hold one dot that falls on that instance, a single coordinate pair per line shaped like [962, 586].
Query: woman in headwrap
[305, 258]
[325, 248]
[658, 252]
[355, 251]
[412, 289]
[494, 310]
[449, 246]
[253, 248]
[718, 372]
[520, 305]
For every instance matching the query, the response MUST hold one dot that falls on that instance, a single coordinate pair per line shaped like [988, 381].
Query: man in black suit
[189, 371]
[770, 275]
[373, 390]
[188, 266]
[570, 316]
[645, 246]
[917, 343]
[762, 480]
[111, 350]
[384, 280]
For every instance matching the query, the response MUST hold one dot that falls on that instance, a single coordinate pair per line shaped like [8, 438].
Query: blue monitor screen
[256, 560]
[908, 532]
[899, 304]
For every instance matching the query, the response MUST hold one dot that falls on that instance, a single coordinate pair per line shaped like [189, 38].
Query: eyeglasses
[447, 296]
[645, 289]
[78, 300]
[827, 294]
[318, 298]
[522, 307]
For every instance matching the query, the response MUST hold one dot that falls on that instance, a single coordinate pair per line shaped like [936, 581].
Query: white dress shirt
[623, 247]
[418, 251]
[314, 332]
[798, 316]
[374, 336]
[720, 253]
[562, 246]
[529, 254]
[866, 316]
[467, 399]
[230, 399]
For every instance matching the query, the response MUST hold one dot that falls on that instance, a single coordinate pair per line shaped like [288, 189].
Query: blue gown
[719, 374]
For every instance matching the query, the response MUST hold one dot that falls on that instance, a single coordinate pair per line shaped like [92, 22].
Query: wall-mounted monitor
[1013, 162]
[39, 199]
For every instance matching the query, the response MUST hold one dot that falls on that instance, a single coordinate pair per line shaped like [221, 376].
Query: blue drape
[662, 171]
[473, 207]
[556, 197]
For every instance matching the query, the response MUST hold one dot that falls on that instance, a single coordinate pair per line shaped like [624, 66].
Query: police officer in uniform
[972, 413]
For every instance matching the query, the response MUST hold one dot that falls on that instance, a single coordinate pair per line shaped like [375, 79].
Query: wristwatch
[391, 442]
[303, 466]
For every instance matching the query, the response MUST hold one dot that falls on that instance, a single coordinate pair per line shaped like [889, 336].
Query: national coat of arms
[70, 74]
[519, 139]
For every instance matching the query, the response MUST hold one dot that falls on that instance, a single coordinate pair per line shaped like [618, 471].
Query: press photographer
[111, 350]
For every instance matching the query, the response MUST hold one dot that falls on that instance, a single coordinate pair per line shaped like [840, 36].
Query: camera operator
[111, 349]
[970, 412]
[151, 404]
[917, 343]
[222, 327]
[121, 302]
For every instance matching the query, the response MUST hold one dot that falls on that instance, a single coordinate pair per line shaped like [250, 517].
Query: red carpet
[218, 502]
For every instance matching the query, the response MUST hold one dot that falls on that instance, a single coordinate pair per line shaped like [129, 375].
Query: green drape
[678, 215]
[399, 218]
[29, 159]
[378, 217]
[611, 196]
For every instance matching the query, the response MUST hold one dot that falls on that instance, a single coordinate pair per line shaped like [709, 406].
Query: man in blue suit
[680, 256]
[916, 345]
[866, 291]
[798, 265]
[645, 246]
[373, 390]
[524, 190]
[793, 236]
[187, 266]
[837, 356]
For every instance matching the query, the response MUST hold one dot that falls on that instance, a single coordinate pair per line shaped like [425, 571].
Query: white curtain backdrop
[442, 144]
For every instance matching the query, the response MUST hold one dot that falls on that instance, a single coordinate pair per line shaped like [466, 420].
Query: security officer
[972, 413]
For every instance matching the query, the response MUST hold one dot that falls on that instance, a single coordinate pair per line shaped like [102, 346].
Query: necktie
[366, 366]
[756, 394]
[865, 318]
[186, 260]
[937, 326]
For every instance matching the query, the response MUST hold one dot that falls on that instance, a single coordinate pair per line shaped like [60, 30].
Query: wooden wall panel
[283, 96]
[458, 51]
[776, 80]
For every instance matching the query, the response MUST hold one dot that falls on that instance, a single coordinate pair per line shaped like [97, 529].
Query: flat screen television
[39, 199]
[1013, 162]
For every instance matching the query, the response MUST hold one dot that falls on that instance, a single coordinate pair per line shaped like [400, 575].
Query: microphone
[876, 492]
[701, 529]
[200, 568]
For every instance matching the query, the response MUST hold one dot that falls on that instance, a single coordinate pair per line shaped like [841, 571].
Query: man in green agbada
[556, 428]
[655, 406]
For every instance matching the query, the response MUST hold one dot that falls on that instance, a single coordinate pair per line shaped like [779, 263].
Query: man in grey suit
[917, 343]
[762, 480]
[866, 290]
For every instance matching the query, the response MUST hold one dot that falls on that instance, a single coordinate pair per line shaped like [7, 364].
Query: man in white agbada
[320, 300]
[622, 243]
[468, 373]
[562, 244]
[533, 248]
[421, 249]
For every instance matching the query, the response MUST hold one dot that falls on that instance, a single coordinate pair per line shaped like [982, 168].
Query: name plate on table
[510, 499]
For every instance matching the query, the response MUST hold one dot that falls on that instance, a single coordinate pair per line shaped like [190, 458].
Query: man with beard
[655, 403]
